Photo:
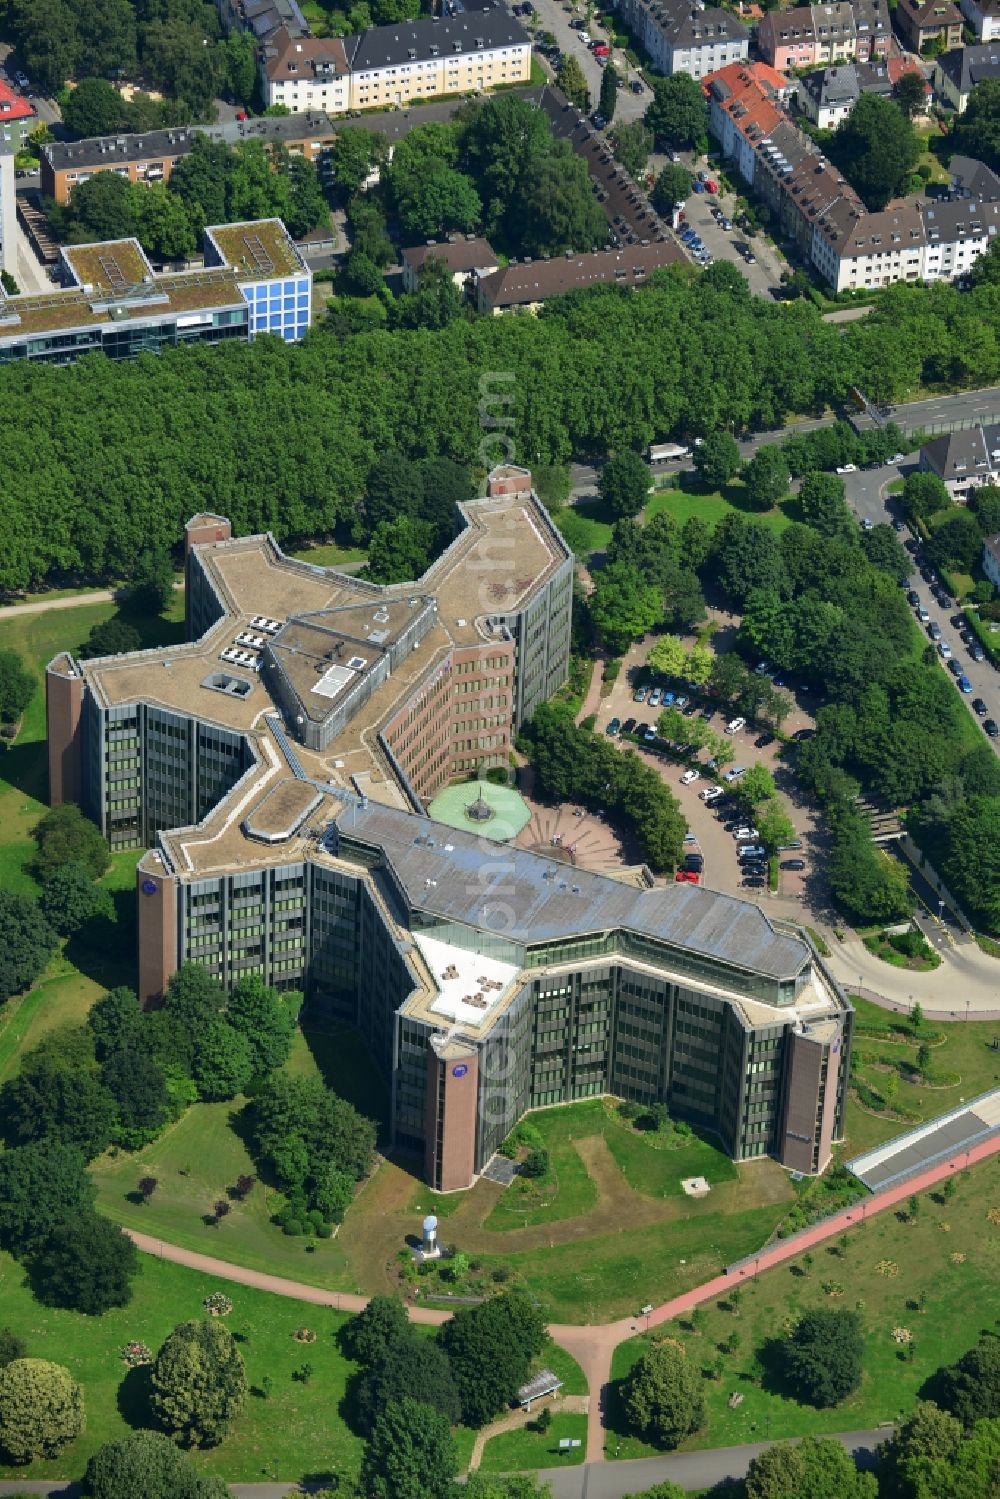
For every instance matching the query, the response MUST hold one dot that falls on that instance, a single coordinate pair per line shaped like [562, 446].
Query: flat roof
[112, 265]
[186, 291]
[469, 985]
[257, 250]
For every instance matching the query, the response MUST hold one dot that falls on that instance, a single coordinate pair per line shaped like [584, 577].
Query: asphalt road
[760, 277]
[552, 17]
[868, 497]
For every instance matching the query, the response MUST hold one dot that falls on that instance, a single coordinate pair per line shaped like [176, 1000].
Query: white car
[710, 794]
[848, 468]
[746, 835]
[898, 458]
[584, 37]
[689, 776]
[729, 776]
[944, 650]
[735, 724]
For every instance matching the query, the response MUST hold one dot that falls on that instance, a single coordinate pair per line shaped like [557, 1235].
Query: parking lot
[765, 274]
[707, 823]
[867, 493]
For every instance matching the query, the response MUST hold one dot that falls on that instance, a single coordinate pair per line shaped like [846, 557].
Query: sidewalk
[968, 980]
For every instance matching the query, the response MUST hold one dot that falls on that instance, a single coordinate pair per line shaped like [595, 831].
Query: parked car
[934, 630]
[990, 727]
[22, 81]
[649, 734]
[640, 694]
[681, 700]
[733, 774]
[735, 725]
[695, 862]
[636, 86]
[964, 685]
[628, 726]
[955, 667]
[656, 697]
[976, 652]
[686, 877]
[784, 848]
[979, 707]
[745, 834]
[689, 776]
[751, 851]
[763, 740]
[614, 728]
[848, 468]
[802, 734]
[711, 794]
[944, 650]
[793, 863]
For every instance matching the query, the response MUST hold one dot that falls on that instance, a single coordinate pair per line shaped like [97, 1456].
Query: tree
[673, 185]
[632, 144]
[910, 94]
[481, 1485]
[41, 1409]
[432, 198]
[554, 209]
[16, 686]
[399, 550]
[147, 1465]
[553, 484]
[266, 1019]
[369, 1334]
[48, 41]
[669, 656]
[394, 487]
[924, 494]
[608, 100]
[223, 1061]
[957, 541]
[624, 484]
[102, 207]
[42, 1184]
[971, 859]
[823, 1355]
[116, 1022]
[138, 1085]
[984, 504]
[818, 1468]
[868, 884]
[749, 557]
[411, 1453]
[774, 825]
[307, 207]
[11, 1347]
[823, 506]
[114, 637]
[70, 899]
[978, 129]
[65, 836]
[153, 581]
[663, 1397]
[570, 78]
[766, 477]
[876, 148]
[756, 786]
[50, 1101]
[970, 1388]
[27, 942]
[437, 300]
[409, 1363]
[94, 107]
[623, 608]
[717, 459]
[884, 550]
[490, 1347]
[354, 155]
[86, 1266]
[678, 113]
[198, 1384]
[927, 1436]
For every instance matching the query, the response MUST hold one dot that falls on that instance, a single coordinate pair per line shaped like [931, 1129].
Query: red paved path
[593, 1347]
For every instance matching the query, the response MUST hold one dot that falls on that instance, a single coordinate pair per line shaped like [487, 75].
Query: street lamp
[941, 910]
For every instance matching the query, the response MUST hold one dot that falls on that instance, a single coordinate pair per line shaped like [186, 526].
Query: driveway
[761, 277]
[868, 497]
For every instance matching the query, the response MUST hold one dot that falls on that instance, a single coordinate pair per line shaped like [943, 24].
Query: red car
[602, 50]
[687, 877]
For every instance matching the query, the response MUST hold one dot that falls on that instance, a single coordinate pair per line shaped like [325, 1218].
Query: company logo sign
[149, 887]
[460, 1070]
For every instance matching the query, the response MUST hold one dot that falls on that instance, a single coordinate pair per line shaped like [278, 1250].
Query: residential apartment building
[389, 66]
[957, 72]
[964, 460]
[984, 18]
[991, 559]
[152, 155]
[528, 284]
[920, 22]
[467, 259]
[261, 18]
[112, 301]
[813, 35]
[18, 118]
[912, 240]
[262, 765]
[827, 96]
[684, 38]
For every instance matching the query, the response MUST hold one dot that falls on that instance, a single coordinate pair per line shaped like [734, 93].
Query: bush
[41, 1409]
[823, 1356]
[536, 1164]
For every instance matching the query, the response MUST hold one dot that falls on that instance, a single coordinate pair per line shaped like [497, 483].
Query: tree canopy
[41, 1409]
[86, 1265]
[198, 1384]
[663, 1396]
[876, 148]
[823, 1355]
[147, 1465]
[490, 1348]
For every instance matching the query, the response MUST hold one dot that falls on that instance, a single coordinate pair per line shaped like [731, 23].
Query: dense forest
[105, 460]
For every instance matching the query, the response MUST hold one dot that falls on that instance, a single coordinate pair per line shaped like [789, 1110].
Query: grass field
[516, 1451]
[587, 525]
[963, 1065]
[294, 1431]
[330, 554]
[958, 1299]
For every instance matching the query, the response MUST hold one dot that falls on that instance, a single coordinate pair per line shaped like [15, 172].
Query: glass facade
[279, 307]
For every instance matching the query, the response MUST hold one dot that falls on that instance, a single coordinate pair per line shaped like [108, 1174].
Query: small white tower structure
[430, 1246]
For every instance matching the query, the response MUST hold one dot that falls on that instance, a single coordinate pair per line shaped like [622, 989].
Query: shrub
[41, 1409]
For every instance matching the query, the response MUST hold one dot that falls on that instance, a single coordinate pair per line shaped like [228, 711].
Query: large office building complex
[276, 768]
[112, 301]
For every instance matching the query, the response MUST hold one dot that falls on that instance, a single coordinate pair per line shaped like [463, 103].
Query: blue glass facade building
[273, 277]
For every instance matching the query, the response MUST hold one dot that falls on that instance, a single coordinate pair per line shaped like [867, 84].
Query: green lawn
[296, 1430]
[959, 1302]
[711, 507]
[565, 1367]
[586, 526]
[963, 1065]
[655, 1165]
[515, 1451]
[330, 554]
